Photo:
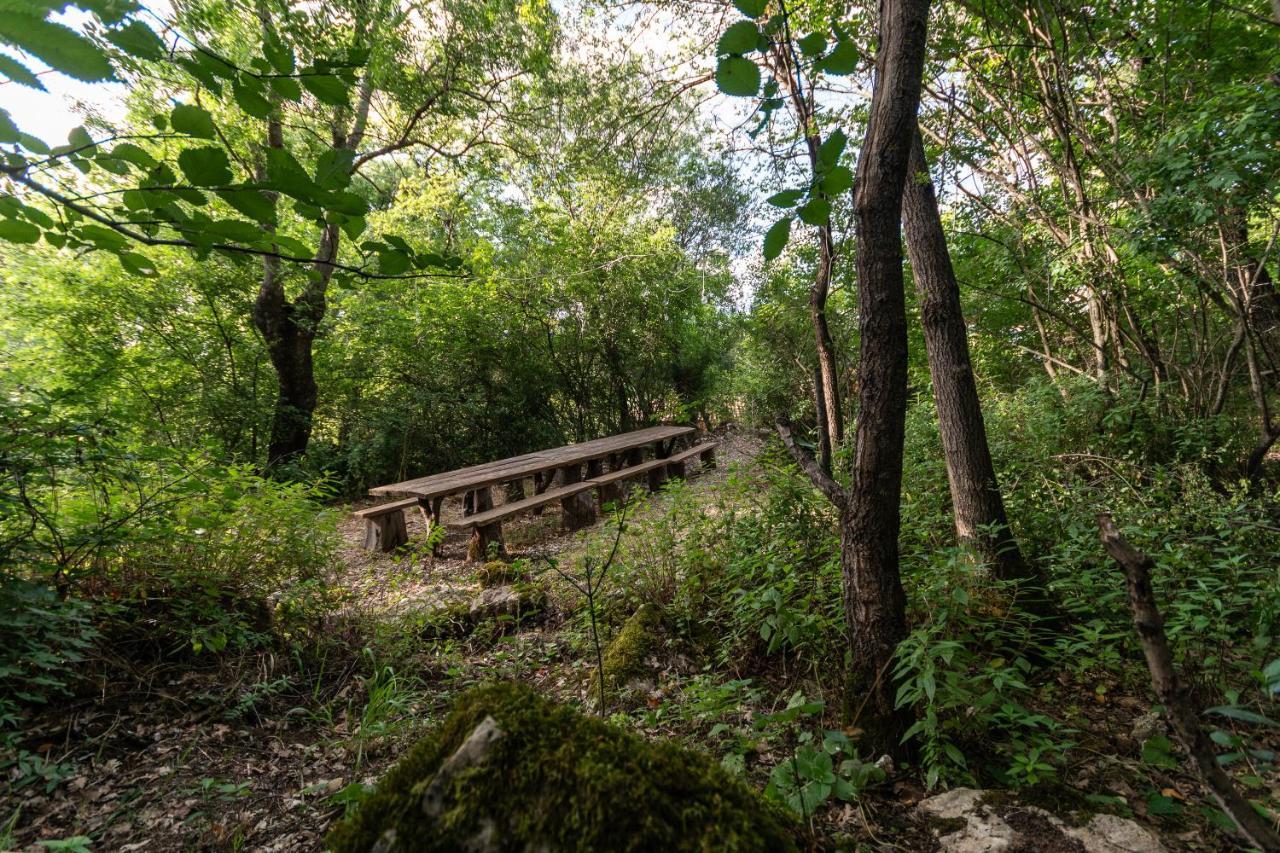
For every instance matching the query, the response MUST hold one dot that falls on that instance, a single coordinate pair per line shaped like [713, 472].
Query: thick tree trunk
[980, 518]
[296, 395]
[875, 605]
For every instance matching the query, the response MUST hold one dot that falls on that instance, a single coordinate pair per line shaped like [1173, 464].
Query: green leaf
[813, 44]
[392, 263]
[1244, 715]
[58, 46]
[817, 211]
[842, 60]
[279, 54]
[285, 87]
[327, 88]
[19, 73]
[79, 138]
[286, 175]
[16, 231]
[236, 231]
[206, 167]
[250, 202]
[333, 170]
[751, 8]
[786, 198]
[138, 264]
[830, 150]
[739, 38]
[137, 39]
[250, 94]
[837, 181]
[8, 130]
[192, 120]
[737, 76]
[131, 153]
[775, 239]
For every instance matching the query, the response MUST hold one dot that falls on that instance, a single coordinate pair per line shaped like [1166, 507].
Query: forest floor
[264, 752]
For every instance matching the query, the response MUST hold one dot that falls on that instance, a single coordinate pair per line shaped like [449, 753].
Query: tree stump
[385, 532]
[485, 536]
[579, 510]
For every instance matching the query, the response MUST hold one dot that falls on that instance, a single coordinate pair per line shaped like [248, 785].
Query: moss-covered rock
[627, 656]
[498, 573]
[510, 770]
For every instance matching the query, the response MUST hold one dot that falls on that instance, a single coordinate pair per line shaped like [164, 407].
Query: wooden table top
[518, 467]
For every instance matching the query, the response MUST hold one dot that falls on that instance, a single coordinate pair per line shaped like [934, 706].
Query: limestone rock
[965, 822]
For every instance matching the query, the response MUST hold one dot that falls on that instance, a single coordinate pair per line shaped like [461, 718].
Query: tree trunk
[875, 605]
[980, 519]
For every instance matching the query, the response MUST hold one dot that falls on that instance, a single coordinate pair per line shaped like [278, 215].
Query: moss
[626, 656]
[558, 780]
[498, 573]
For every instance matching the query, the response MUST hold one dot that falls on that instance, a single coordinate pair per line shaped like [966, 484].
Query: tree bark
[875, 604]
[980, 519]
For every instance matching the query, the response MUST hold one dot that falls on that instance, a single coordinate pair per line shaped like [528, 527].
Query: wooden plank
[696, 450]
[493, 473]
[383, 509]
[629, 472]
[501, 512]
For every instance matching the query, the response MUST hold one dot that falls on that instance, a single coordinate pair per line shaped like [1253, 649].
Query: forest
[639, 424]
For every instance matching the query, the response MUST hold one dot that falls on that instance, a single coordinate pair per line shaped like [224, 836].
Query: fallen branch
[821, 479]
[1173, 695]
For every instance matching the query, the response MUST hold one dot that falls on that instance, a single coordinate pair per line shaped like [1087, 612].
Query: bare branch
[821, 480]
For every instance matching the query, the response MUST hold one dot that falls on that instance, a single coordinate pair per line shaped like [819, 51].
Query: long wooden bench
[384, 525]
[607, 485]
[706, 453]
[498, 513]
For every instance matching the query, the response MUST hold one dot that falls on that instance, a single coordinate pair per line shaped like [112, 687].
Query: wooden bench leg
[541, 482]
[385, 532]
[657, 476]
[708, 458]
[579, 509]
[675, 470]
[482, 538]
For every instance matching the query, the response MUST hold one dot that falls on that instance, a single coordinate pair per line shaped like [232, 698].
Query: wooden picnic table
[519, 467]
[623, 451]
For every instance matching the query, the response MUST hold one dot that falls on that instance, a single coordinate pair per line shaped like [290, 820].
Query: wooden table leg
[431, 514]
[482, 538]
[579, 509]
[658, 476]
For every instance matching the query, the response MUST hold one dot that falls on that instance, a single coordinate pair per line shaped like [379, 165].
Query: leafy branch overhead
[742, 50]
[186, 184]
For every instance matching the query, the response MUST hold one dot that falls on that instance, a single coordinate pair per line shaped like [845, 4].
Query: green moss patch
[555, 779]
[627, 656]
[498, 573]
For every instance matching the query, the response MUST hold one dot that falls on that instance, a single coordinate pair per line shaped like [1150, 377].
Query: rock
[510, 770]
[1107, 833]
[497, 573]
[517, 601]
[966, 821]
[964, 825]
[627, 658]
[1147, 726]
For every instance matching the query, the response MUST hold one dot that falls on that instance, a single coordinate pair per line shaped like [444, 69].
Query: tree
[981, 522]
[869, 508]
[278, 111]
